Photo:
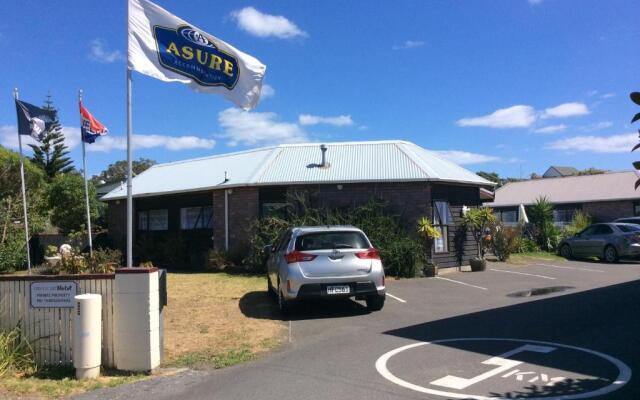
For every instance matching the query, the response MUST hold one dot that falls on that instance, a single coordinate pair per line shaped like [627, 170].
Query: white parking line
[397, 298]
[462, 283]
[577, 268]
[521, 273]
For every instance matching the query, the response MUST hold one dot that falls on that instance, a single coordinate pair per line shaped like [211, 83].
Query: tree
[490, 176]
[479, 220]
[541, 217]
[12, 241]
[118, 171]
[66, 200]
[52, 154]
[592, 171]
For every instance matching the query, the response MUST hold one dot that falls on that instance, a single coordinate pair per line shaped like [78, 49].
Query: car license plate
[338, 289]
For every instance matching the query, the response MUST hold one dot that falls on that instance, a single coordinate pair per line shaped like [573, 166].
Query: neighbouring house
[211, 202]
[604, 197]
[556, 172]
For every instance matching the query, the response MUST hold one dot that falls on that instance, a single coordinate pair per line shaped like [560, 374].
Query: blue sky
[510, 86]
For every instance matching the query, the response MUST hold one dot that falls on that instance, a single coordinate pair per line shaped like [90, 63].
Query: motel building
[212, 202]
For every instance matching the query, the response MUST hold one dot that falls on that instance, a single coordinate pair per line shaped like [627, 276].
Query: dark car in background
[608, 241]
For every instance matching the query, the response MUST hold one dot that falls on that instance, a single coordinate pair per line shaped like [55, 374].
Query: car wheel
[375, 302]
[610, 254]
[565, 251]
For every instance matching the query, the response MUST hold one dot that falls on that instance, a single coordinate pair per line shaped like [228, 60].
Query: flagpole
[129, 168]
[86, 185]
[24, 194]
[129, 176]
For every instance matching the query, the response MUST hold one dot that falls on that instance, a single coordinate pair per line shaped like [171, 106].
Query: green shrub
[16, 354]
[103, 260]
[216, 261]
[400, 253]
[67, 202]
[526, 245]
[505, 241]
[545, 232]
[12, 252]
[579, 222]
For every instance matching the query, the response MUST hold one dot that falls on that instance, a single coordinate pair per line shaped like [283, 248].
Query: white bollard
[87, 336]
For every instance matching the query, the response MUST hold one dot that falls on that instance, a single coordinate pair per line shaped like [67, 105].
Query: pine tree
[52, 154]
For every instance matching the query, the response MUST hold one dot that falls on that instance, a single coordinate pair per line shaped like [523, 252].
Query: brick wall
[243, 212]
[606, 211]
[117, 223]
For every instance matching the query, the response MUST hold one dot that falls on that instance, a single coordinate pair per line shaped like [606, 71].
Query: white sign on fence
[53, 294]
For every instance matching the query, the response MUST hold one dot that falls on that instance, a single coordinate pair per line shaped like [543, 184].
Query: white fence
[49, 330]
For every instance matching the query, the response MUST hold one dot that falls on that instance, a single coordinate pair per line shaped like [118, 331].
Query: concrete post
[136, 311]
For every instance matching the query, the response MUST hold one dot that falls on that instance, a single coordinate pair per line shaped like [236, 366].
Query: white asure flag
[168, 48]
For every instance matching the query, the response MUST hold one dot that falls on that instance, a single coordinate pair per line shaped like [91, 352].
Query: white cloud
[251, 128]
[607, 95]
[518, 116]
[535, 2]
[597, 126]
[173, 143]
[566, 110]
[264, 25]
[550, 129]
[340, 120]
[100, 53]
[9, 138]
[267, 91]
[408, 44]
[465, 157]
[597, 144]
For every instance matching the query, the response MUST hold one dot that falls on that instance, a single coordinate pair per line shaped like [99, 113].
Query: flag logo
[189, 52]
[91, 128]
[34, 121]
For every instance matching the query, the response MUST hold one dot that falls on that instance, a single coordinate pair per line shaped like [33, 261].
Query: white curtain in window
[196, 217]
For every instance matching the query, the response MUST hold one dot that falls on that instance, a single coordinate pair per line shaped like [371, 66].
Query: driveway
[461, 335]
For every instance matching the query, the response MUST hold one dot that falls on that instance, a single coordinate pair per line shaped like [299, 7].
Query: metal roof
[569, 189]
[348, 162]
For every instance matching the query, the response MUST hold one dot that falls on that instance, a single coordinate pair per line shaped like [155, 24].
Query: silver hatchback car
[325, 262]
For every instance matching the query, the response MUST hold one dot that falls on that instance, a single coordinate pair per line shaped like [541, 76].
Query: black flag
[34, 121]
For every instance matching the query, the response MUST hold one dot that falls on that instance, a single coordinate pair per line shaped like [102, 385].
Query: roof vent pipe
[323, 148]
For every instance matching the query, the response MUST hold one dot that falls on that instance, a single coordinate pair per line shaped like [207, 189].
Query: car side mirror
[268, 249]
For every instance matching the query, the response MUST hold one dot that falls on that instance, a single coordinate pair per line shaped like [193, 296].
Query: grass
[532, 257]
[58, 381]
[206, 326]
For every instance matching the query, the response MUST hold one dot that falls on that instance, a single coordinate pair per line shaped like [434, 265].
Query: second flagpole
[24, 195]
[84, 170]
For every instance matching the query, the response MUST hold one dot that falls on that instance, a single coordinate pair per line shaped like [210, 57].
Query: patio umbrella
[522, 215]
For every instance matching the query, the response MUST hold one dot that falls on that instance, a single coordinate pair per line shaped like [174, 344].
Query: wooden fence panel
[50, 330]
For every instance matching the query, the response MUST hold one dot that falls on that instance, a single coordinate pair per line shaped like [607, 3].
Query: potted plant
[52, 257]
[428, 232]
[478, 221]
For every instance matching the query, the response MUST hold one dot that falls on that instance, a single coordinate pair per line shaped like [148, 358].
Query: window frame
[442, 227]
[147, 220]
[200, 223]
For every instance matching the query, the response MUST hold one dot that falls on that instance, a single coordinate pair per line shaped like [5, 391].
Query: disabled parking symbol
[529, 368]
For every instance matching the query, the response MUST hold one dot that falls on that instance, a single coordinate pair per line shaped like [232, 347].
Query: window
[603, 230]
[629, 228]
[636, 209]
[153, 220]
[196, 218]
[563, 217]
[331, 240]
[442, 218]
[509, 217]
[274, 209]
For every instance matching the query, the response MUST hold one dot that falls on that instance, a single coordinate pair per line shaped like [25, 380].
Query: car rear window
[331, 240]
[629, 228]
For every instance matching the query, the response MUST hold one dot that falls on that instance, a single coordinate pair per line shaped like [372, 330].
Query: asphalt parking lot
[462, 335]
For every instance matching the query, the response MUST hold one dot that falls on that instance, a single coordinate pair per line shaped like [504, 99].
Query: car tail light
[369, 254]
[298, 256]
